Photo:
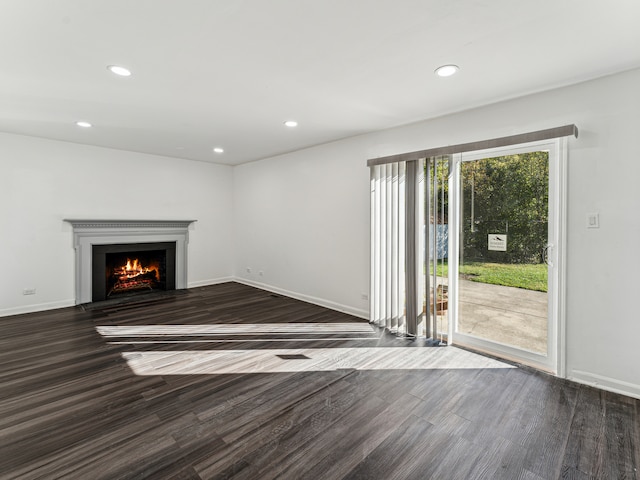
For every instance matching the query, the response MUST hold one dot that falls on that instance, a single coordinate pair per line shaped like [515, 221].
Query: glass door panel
[504, 274]
[504, 237]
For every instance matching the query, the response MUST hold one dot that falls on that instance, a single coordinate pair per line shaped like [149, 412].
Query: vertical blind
[395, 237]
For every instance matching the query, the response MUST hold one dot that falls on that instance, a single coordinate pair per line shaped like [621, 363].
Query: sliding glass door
[503, 261]
[467, 247]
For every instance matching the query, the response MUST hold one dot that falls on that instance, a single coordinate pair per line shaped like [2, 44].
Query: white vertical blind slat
[394, 246]
[402, 292]
[383, 244]
[422, 247]
[388, 242]
[374, 282]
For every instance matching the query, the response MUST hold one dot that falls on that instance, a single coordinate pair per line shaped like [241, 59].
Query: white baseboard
[306, 298]
[204, 283]
[39, 307]
[605, 383]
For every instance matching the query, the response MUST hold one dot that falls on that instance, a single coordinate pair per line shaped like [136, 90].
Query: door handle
[546, 256]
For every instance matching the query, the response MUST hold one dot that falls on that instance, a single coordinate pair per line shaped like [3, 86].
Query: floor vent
[293, 356]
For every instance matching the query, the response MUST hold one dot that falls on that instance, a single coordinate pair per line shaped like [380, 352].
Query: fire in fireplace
[133, 276]
[132, 269]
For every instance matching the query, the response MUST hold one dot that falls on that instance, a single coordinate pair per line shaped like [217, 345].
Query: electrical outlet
[593, 220]
[29, 291]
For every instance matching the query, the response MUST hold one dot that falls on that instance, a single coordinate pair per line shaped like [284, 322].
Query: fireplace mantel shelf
[81, 224]
[87, 233]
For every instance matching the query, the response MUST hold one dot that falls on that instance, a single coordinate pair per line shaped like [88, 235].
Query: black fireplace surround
[160, 257]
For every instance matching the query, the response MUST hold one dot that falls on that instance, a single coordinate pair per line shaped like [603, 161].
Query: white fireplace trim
[87, 233]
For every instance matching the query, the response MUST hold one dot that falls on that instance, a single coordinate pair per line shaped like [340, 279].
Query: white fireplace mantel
[87, 233]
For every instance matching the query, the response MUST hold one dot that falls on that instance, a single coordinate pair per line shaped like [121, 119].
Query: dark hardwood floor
[229, 381]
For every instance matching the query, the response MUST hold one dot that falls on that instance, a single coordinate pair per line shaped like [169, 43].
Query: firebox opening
[132, 269]
[134, 272]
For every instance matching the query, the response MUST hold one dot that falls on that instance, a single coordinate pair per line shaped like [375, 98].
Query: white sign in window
[497, 242]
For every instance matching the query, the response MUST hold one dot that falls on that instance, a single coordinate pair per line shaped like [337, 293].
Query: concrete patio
[508, 315]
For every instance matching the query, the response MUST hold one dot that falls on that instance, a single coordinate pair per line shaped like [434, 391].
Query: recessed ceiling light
[118, 70]
[218, 150]
[291, 123]
[84, 124]
[447, 70]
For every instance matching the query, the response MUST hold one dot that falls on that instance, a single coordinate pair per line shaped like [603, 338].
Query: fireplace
[105, 247]
[120, 270]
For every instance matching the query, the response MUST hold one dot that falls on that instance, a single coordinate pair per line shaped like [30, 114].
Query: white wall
[43, 181]
[303, 218]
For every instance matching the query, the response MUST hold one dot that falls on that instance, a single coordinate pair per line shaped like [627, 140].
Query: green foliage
[442, 181]
[507, 195]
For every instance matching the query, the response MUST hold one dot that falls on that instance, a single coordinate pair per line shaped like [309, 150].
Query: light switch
[593, 220]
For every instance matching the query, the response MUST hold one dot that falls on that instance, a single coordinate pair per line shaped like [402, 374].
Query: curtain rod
[557, 132]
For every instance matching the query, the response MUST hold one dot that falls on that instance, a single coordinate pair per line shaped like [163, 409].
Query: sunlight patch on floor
[233, 329]
[216, 362]
[244, 340]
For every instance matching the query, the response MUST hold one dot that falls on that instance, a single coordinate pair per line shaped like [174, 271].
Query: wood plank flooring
[229, 381]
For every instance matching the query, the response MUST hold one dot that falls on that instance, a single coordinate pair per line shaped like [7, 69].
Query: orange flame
[132, 268]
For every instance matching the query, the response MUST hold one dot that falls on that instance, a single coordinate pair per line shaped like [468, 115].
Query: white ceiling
[228, 73]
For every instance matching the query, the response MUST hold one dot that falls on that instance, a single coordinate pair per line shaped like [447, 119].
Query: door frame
[554, 360]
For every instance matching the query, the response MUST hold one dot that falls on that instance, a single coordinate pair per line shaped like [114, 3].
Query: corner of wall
[306, 298]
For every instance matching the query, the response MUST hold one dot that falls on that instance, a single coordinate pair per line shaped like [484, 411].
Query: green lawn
[527, 276]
